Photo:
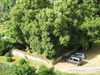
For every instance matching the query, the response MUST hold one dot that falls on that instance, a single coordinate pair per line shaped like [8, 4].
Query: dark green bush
[5, 46]
[22, 61]
[8, 54]
[45, 71]
[24, 69]
[9, 59]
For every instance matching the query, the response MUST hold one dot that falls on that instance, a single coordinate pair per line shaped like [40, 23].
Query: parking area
[92, 60]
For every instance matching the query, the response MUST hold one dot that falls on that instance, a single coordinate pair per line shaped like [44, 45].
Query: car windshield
[78, 54]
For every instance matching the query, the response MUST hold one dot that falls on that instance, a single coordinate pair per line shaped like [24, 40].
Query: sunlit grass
[16, 61]
[3, 59]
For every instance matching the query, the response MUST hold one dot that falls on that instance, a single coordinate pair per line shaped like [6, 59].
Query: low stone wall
[20, 54]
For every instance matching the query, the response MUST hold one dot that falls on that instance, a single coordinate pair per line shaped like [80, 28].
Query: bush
[45, 71]
[5, 46]
[24, 69]
[4, 69]
[8, 54]
[9, 59]
[22, 61]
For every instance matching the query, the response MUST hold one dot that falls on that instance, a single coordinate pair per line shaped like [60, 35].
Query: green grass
[4, 69]
[2, 72]
[15, 60]
[3, 59]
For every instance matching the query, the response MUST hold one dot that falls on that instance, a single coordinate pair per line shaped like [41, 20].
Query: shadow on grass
[13, 60]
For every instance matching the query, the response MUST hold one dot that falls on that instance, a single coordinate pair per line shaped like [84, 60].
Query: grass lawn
[3, 60]
[16, 61]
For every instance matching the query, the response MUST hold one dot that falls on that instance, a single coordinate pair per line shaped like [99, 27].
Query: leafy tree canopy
[52, 27]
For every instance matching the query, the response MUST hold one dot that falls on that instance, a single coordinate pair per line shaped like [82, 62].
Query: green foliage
[9, 59]
[5, 6]
[50, 27]
[22, 61]
[5, 46]
[24, 69]
[91, 27]
[45, 71]
[4, 69]
[8, 54]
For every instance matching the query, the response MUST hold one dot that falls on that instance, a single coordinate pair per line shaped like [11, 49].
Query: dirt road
[90, 64]
[79, 69]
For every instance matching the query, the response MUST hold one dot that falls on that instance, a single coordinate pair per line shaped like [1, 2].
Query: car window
[75, 59]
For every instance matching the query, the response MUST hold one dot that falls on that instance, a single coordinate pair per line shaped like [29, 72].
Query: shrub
[22, 61]
[45, 71]
[8, 54]
[24, 69]
[9, 59]
[5, 46]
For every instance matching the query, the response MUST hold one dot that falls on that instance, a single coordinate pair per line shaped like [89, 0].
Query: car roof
[79, 53]
[75, 58]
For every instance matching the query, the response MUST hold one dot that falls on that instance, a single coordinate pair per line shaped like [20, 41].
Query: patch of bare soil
[93, 57]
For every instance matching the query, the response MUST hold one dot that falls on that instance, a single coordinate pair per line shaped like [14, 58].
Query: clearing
[92, 60]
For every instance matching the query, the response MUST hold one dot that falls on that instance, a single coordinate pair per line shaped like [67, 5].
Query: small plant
[8, 54]
[9, 59]
[22, 61]
[43, 70]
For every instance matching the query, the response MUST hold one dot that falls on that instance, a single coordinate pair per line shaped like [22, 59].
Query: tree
[5, 46]
[91, 28]
[22, 25]
[52, 28]
[5, 6]
[74, 14]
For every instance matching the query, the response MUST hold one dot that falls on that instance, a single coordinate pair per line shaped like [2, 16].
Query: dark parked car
[76, 58]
